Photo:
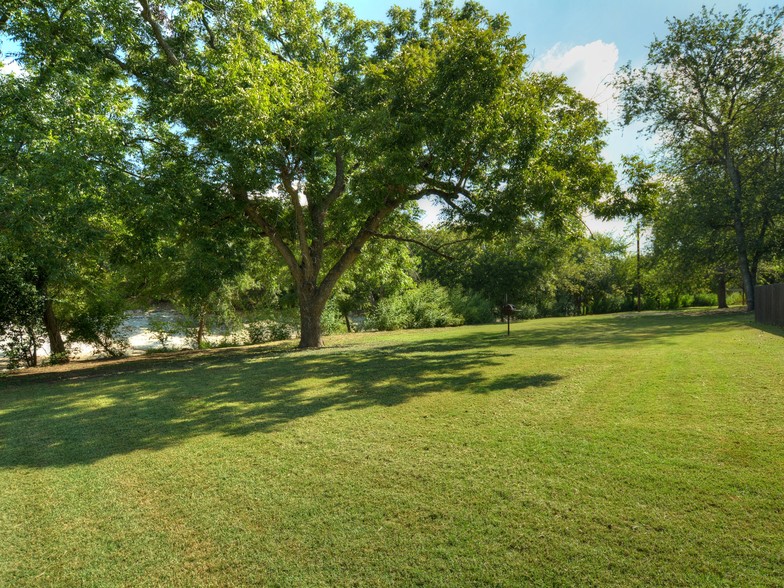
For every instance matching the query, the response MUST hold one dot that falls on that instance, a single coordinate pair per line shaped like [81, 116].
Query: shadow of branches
[88, 413]
[87, 416]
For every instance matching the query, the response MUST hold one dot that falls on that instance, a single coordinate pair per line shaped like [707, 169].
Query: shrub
[705, 299]
[58, 358]
[425, 306]
[100, 325]
[264, 330]
[189, 327]
[526, 311]
[609, 303]
[162, 331]
[21, 345]
[21, 307]
[472, 306]
[331, 319]
[735, 299]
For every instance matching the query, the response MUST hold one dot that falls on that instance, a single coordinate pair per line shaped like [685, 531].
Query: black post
[508, 316]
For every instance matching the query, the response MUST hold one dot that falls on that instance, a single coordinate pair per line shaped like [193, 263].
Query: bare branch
[414, 241]
[114, 166]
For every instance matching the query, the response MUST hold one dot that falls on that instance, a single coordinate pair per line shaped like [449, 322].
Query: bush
[609, 303]
[331, 320]
[189, 327]
[735, 299]
[423, 307]
[526, 311]
[472, 306]
[21, 345]
[21, 307]
[58, 358]
[705, 299]
[264, 330]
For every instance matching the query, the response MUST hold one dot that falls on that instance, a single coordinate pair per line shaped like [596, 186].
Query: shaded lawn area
[617, 450]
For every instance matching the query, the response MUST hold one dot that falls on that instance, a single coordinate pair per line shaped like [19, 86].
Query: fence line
[769, 304]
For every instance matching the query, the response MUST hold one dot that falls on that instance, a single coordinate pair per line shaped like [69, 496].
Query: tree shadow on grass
[155, 404]
[623, 329]
[89, 413]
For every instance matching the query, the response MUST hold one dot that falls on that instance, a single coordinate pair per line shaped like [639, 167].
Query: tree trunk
[200, 331]
[639, 284]
[740, 229]
[721, 288]
[743, 263]
[56, 344]
[311, 306]
[348, 323]
[32, 361]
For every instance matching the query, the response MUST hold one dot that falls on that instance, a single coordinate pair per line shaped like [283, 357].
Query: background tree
[63, 158]
[321, 128]
[712, 91]
[21, 311]
[636, 202]
[693, 241]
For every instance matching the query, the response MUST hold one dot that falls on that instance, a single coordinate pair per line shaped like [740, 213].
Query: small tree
[636, 202]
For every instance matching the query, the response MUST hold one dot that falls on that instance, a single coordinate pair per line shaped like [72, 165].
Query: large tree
[712, 92]
[321, 128]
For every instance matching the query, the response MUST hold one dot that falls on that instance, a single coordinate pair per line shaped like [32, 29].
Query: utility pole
[639, 286]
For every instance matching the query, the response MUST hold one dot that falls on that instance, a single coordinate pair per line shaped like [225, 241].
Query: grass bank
[615, 450]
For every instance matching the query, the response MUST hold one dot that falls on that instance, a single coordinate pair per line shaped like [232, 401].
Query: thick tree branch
[340, 182]
[211, 36]
[241, 196]
[352, 252]
[299, 219]
[157, 32]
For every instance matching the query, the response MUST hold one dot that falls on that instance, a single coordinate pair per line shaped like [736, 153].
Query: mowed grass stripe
[616, 450]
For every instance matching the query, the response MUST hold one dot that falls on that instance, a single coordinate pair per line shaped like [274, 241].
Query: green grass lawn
[617, 450]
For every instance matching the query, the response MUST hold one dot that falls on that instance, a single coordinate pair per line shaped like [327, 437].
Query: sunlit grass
[626, 450]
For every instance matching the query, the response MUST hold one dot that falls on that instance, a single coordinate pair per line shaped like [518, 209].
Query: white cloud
[431, 209]
[589, 68]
